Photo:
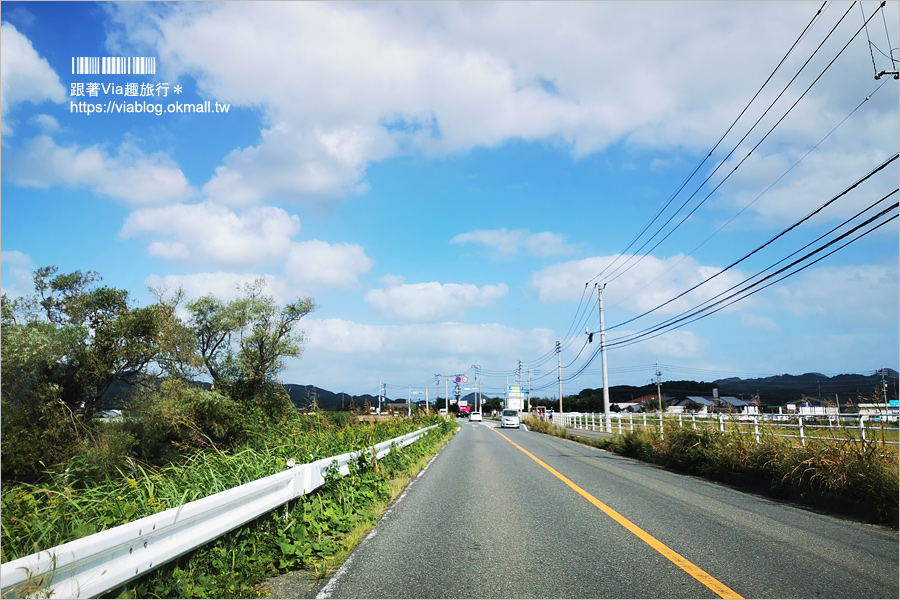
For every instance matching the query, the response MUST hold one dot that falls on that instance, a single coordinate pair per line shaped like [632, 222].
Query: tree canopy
[65, 345]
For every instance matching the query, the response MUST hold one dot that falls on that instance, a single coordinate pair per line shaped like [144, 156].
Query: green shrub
[824, 473]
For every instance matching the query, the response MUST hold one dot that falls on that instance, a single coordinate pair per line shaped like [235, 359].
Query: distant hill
[784, 388]
[303, 396]
[773, 391]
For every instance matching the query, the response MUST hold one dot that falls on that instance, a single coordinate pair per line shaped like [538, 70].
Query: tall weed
[39, 516]
[843, 476]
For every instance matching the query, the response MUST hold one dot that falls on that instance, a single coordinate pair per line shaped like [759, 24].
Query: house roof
[806, 401]
[734, 401]
[709, 400]
[698, 399]
[651, 398]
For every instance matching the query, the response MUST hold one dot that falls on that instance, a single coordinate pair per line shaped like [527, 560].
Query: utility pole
[559, 375]
[659, 398]
[478, 398]
[528, 397]
[607, 417]
[519, 374]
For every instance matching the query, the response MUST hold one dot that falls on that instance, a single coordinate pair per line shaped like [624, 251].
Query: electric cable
[670, 324]
[781, 234]
[716, 145]
[753, 149]
[752, 202]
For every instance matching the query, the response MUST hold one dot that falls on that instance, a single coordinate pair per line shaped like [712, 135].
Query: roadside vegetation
[68, 471]
[842, 477]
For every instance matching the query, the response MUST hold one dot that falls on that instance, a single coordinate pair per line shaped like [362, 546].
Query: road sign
[515, 397]
[894, 403]
[458, 380]
[465, 379]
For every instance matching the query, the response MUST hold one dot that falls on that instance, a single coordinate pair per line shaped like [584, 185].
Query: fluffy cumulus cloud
[369, 81]
[307, 164]
[432, 301]
[645, 283]
[508, 243]
[322, 265]
[25, 76]
[210, 234]
[130, 175]
[214, 234]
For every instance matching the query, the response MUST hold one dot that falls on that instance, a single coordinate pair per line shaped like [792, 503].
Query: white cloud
[304, 165]
[857, 297]
[213, 234]
[433, 301]
[346, 354]
[130, 176]
[806, 185]
[46, 123]
[370, 81]
[210, 234]
[508, 243]
[18, 268]
[25, 76]
[639, 287]
[321, 265]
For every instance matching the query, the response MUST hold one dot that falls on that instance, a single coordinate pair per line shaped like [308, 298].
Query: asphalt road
[486, 520]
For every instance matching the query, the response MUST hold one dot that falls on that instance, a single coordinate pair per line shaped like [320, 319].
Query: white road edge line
[326, 591]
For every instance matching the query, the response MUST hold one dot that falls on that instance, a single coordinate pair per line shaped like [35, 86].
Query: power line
[760, 195]
[784, 232]
[673, 323]
[753, 149]
[715, 146]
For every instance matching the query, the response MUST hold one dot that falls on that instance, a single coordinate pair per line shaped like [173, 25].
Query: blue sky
[449, 181]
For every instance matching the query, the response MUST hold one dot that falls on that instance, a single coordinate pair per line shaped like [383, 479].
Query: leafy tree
[62, 349]
[243, 343]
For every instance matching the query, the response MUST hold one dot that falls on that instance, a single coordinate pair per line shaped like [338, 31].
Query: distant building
[722, 404]
[807, 405]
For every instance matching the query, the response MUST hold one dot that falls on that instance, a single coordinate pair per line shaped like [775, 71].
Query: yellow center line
[687, 566]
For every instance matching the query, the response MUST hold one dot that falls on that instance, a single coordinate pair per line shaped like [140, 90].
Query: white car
[509, 417]
[475, 416]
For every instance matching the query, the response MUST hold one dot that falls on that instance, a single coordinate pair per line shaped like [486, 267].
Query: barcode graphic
[113, 65]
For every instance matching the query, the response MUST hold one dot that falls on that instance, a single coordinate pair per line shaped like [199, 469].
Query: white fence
[865, 428]
[103, 561]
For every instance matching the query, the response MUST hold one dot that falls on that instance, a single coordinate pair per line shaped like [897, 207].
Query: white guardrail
[103, 561]
[866, 427]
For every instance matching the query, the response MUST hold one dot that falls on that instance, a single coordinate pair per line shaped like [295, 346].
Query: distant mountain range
[774, 390]
[849, 388]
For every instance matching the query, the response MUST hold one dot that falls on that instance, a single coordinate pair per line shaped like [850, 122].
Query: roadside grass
[319, 529]
[836, 476]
